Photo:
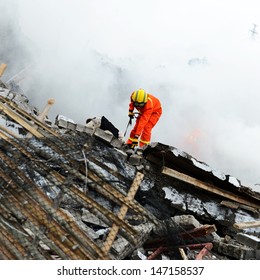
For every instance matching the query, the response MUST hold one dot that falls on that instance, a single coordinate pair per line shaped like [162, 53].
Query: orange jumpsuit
[148, 116]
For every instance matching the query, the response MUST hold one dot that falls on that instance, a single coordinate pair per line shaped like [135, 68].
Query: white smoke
[199, 57]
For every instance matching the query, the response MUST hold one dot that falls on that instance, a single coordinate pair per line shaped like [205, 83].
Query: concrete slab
[249, 240]
[103, 135]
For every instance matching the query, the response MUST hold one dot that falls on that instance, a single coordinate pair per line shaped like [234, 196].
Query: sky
[199, 57]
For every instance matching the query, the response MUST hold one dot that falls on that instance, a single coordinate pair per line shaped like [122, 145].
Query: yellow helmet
[139, 97]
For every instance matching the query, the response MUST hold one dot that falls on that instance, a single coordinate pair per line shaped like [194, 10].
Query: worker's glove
[134, 142]
[131, 116]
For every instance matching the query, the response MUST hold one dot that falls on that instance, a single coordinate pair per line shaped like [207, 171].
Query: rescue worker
[149, 112]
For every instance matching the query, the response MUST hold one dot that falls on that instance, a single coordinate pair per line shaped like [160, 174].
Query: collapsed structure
[71, 192]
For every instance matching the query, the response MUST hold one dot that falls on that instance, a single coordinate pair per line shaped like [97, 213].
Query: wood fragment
[9, 132]
[183, 254]
[235, 205]
[204, 251]
[244, 225]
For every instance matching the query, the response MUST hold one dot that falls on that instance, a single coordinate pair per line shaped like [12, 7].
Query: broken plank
[244, 225]
[9, 132]
[235, 205]
[230, 204]
[207, 187]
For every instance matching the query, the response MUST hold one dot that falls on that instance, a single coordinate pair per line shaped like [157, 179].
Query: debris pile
[71, 192]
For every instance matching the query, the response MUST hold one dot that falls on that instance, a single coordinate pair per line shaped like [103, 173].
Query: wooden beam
[204, 251]
[13, 115]
[122, 212]
[9, 132]
[207, 187]
[244, 225]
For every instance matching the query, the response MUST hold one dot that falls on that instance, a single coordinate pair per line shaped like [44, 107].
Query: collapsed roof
[71, 192]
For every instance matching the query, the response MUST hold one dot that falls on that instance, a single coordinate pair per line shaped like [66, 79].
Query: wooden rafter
[207, 187]
[122, 212]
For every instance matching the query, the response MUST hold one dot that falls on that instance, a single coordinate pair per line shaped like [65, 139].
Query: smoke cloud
[201, 58]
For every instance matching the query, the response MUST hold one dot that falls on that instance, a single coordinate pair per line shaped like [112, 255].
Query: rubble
[71, 192]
